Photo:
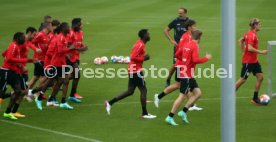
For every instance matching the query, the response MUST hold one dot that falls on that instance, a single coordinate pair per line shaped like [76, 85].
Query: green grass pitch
[110, 27]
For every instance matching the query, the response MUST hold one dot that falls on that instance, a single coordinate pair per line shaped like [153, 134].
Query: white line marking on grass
[126, 103]
[51, 131]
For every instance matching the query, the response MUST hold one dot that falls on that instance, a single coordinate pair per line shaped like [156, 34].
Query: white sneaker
[195, 108]
[52, 103]
[28, 98]
[156, 100]
[30, 94]
[149, 116]
[107, 107]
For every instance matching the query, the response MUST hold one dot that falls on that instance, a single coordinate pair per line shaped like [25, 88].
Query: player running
[136, 78]
[75, 38]
[250, 62]
[189, 56]
[185, 39]
[9, 73]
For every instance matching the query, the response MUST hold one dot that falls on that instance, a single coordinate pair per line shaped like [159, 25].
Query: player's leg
[65, 83]
[184, 90]
[24, 91]
[129, 92]
[171, 72]
[257, 71]
[245, 71]
[165, 92]
[15, 83]
[76, 77]
[35, 77]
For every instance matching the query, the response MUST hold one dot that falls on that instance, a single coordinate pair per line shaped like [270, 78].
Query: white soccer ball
[120, 59]
[104, 60]
[97, 61]
[264, 99]
[126, 60]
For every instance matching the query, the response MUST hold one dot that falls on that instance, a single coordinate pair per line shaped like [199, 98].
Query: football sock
[111, 102]
[185, 109]
[63, 100]
[171, 114]
[40, 95]
[15, 108]
[73, 91]
[255, 97]
[161, 95]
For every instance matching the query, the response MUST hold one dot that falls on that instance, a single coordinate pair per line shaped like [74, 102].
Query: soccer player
[41, 41]
[185, 39]
[75, 38]
[46, 19]
[59, 63]
[136, 78]
[189, 55]
[250, 63]
[9, 72]
[179, 25]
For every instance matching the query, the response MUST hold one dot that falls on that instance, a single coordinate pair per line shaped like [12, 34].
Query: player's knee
[260, 78]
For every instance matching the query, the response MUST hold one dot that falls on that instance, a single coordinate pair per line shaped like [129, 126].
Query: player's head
[77, 24]
[31, 32]
[191, 25]
[196, 35]
[19, 38]
[47, 19]
[144, 35]
[255, 24]
[64, 28]
[182, 12]
[55, 24]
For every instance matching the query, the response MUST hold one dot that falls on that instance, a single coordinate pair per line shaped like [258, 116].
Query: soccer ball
[264, 99]
[120, 59]
[97, 61]
[104, 60]
[126, 59]
[113, 59]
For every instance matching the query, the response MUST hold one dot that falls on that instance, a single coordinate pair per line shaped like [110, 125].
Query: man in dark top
[178, 25]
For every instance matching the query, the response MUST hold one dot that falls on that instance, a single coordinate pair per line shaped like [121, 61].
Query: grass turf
[111, 27]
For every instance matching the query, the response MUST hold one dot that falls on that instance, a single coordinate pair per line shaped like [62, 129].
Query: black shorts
[136, 80]
[62, 71]
[72, 63]
[187, 85]
[8, 77]
[23, 78]
[176, 77]
[39, 68]
[250, 68]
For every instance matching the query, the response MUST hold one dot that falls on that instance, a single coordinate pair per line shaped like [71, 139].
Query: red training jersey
[76, 39]
[41, 40]
[137, 57]
[189, 56]
[51, 51]
[185, 39]
[250, 38]
[59, 57]
[12, 59]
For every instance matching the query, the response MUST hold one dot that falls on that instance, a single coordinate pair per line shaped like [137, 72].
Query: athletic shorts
[72, 63]
[39, 68]
[23, 78]
[60, 71]
[250, 68]
[8, 77]
[136, 80]
[187, 85]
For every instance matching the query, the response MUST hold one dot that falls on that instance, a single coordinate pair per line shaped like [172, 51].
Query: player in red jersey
[47, 63]
[189, 57]
[250, 62]
[75, 38]
[10, 70]
[136, 78]
[59, 62]
[185, 39]
[41, 41]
